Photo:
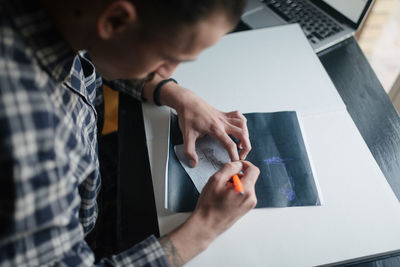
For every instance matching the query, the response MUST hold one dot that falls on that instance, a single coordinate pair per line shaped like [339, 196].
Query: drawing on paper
[208, 154]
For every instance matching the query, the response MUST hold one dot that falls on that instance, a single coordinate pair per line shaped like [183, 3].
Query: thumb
[228, 170]
[190, 149]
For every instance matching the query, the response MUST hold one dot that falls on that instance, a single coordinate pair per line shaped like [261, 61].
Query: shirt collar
[40, 34]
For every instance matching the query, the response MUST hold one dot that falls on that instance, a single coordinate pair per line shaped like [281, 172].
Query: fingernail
[192, 163]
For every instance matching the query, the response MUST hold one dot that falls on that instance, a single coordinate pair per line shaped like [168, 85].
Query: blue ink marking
[288, 189]
[275, 160]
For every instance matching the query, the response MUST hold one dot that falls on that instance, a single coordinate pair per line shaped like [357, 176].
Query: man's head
[134, 38]
[160, 16]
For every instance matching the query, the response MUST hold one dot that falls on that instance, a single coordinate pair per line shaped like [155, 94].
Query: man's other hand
[218, 208]
[197, 118]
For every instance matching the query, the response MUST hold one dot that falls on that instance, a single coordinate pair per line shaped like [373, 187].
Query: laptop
[324, 22]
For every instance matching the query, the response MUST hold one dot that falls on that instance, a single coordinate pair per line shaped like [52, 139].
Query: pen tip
[241, 193]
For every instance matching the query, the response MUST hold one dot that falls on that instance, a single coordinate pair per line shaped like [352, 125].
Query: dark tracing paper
[286, 178]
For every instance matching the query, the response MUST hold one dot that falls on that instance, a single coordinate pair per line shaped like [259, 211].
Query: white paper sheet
[211, 157]
[272, 70]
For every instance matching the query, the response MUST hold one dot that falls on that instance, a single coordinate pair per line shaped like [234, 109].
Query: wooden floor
[380, 40]
[377, 19]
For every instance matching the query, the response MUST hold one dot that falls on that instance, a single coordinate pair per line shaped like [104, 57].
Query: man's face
[127, 56]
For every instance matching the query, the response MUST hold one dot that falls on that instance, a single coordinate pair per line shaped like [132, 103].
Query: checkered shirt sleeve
[49, 168]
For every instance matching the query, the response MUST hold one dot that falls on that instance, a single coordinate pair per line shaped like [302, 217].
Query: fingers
[250, 176]
[219, 125]
[227, 171]
[190, 149]
[236, 114]
[246, 147]
[227, 143]
[244, 143]
[238, 129]
[251, 173]
[249, 180]
[237, 122]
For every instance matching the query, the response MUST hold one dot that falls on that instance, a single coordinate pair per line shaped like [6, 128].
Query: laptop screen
[351, 9]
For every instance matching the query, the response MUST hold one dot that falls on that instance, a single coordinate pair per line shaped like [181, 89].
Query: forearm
[187, 241]
[171, 94]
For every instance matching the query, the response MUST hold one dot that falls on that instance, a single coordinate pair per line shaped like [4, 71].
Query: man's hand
[219, 204]
[197, 118]
[218, 208]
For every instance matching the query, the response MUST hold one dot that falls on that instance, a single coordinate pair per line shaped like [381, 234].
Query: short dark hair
[158, 15]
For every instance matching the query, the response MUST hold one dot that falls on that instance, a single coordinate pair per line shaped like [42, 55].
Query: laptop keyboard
[316, 25]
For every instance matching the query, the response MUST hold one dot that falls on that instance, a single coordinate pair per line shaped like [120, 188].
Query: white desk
[270, 68]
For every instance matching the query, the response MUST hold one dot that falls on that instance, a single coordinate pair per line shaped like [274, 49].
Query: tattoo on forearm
[172, 254]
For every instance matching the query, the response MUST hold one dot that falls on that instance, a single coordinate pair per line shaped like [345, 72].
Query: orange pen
[237, 184]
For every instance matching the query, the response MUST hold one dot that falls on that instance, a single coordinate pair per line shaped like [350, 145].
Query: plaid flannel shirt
[49, 168]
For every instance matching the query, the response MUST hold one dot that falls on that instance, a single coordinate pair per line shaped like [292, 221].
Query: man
[51, 56]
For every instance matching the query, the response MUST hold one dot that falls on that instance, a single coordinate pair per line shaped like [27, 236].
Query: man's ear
[115, 18]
